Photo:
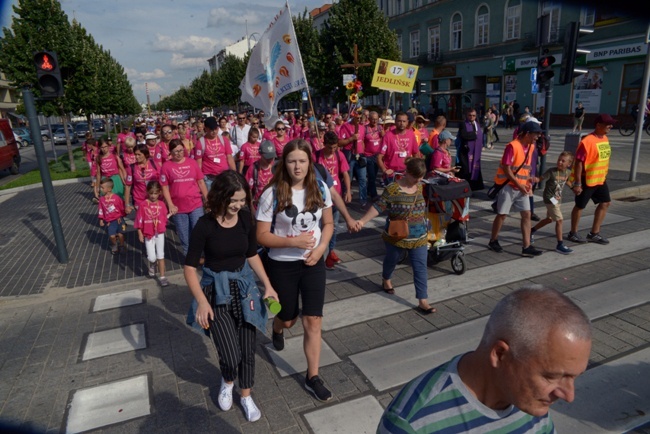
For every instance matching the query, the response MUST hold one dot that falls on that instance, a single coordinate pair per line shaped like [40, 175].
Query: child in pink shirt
[250, 151]
[151, 223]
[111, 215]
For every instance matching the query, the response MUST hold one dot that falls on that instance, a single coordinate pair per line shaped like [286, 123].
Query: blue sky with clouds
[166, 43]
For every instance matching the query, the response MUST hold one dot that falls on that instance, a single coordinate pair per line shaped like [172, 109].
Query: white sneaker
[152, 269]
[252, 412]
[225, 395]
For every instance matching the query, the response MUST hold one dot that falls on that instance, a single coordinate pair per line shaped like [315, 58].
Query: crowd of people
[249, 200]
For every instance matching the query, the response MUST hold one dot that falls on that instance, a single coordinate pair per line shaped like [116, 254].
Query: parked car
[59, 137]
[99, 125]
[9, 154]
[45, 133]
[81, 129]
[23, 136]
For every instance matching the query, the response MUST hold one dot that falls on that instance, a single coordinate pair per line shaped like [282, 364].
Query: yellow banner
[394, 76]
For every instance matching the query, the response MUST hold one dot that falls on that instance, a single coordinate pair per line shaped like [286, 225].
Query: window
[416, 4]
[415, 43]
[587, 16]
[399, 6]
[513, 20]
[399, 44]
[456, 32]
[434, 42]
[482, 26]
[553, 10]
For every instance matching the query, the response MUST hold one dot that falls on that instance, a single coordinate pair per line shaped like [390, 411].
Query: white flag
[275, 67]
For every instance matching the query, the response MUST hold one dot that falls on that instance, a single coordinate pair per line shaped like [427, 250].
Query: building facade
[478, 53]
[8, 101]
[238, 49]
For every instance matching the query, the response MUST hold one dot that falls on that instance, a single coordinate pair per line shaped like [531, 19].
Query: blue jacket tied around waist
[253, 307]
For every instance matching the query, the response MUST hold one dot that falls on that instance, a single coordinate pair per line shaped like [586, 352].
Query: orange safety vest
[523, 175]
[596, 163]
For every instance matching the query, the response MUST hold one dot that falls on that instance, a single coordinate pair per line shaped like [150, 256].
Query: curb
[34, 186]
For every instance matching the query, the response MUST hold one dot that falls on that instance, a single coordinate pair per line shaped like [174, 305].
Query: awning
[454, 92]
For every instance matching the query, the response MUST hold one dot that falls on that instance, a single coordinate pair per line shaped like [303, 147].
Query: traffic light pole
[548, 99]
[639, 119]
[48, 189]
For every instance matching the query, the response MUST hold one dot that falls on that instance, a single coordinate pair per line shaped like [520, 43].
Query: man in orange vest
[515, 171]
[590, 179]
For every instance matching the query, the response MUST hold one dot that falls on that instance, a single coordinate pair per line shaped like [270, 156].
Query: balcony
[430, 58]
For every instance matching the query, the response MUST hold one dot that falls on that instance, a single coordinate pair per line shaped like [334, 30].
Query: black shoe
[278, 341]
[534, 217]
[317, 388]
[597, 238]
[495, 246]
[530, 251]
[575, 238]
[494, 207]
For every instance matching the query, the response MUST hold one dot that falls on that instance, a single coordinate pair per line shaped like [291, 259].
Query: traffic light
[545, 68]
[423, 87]
[570, 52]
[417, 88]
[48, 74]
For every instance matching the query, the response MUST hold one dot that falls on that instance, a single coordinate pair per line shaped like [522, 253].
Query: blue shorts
[116, 227]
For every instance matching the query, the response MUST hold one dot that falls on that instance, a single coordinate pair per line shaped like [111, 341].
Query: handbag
[493, 191]
[399, 229]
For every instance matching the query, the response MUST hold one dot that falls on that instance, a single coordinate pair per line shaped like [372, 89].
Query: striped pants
[235, 342]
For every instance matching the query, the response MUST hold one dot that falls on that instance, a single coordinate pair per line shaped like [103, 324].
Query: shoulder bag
[496, 187]
[399, 229]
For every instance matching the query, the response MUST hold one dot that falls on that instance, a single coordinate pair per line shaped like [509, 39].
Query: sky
[166, 43]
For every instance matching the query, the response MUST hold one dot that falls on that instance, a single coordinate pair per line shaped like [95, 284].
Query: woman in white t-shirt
[294, 220]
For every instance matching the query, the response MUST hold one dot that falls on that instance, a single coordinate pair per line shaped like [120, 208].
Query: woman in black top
[227, 236]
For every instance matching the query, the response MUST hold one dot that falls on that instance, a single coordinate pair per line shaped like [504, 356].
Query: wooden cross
[356, 65]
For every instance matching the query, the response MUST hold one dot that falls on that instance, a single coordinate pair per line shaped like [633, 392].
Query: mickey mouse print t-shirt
[292, 221]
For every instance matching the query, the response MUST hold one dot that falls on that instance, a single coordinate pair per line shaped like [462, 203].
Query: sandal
[389, 290]
[424, 311]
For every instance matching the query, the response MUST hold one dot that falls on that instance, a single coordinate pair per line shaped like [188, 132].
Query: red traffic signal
[48, 74]
[545, 69]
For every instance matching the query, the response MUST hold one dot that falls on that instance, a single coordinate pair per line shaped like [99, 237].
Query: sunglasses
[241, 119]
[167, 132]
[280, 129]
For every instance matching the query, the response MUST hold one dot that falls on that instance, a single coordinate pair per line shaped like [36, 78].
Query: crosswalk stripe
[115, 341]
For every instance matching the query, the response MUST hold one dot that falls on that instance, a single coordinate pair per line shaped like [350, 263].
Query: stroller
[448, 211]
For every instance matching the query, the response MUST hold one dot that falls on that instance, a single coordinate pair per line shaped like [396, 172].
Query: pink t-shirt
[214, 155]
[111, 208]
[372, 141]
[182, 179]
[348, 130]
[139, 177]
[397, 147]
[128, 158]
[279, 145]
[250, 153]
[441, 159]
[151, 218]
[109, 165]
[331, 163]
[263, 178]
[156, 154]
[163, 149]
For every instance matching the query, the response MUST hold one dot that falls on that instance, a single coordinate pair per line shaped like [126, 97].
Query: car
[99, 125]
[9, 154]
[23, 136]
[59, 136]
[81, 129]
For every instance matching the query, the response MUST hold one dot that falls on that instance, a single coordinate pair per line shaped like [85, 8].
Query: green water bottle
[273, 305]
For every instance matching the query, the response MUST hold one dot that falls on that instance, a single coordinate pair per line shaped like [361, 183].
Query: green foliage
[355, 22]
[94, 82]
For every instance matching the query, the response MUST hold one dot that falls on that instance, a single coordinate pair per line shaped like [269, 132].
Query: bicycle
[628, 128]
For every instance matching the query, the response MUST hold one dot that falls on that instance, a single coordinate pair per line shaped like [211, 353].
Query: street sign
[533, 75]
[534, 88]
[304, 95]
[348, 78]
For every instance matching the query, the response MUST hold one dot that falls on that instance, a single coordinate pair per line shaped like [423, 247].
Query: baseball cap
[446, 135]
[211, 123]
[530, 127]
[411, 117]
[604, 118]
[322, 126]
[267, 150]
[151, 136]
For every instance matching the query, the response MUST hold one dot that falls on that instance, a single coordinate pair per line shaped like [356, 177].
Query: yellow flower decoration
[354, 98]
[350, 85]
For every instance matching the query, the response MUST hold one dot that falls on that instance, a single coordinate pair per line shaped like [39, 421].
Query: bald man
[535, 344]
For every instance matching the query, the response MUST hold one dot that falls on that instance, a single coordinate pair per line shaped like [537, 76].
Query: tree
[310, 51]
[228, 78]
[355, 22]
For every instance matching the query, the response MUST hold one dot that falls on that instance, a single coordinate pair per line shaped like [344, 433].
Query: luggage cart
[448, 212]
